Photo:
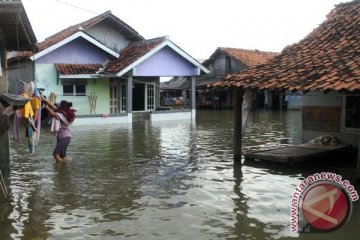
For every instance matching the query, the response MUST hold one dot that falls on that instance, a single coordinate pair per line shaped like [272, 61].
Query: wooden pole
[239, 97]
[358, 163]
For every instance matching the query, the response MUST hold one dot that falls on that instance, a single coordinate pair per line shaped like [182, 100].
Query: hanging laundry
[27, 110]
[31, 114]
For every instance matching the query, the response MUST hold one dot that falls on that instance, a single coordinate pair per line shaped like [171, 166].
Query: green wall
[46, 77]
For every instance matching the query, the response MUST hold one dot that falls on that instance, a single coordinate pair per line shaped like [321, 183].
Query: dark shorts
[61, 146]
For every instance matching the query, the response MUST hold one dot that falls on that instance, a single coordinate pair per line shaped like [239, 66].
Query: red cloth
[68, 113]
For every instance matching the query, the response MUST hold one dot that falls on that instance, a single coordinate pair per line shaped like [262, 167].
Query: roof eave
[71, 38]
[167, 42]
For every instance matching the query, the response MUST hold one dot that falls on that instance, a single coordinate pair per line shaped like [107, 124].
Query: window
[227, 65]
[74, 90]
[68, 90]
[351, 113]
[80, 90]
[150, 96]
[117, 96]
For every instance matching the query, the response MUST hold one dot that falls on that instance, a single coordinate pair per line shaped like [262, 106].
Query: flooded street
[163, 180]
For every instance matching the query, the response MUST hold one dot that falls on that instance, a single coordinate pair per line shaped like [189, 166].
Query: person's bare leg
[58, 158]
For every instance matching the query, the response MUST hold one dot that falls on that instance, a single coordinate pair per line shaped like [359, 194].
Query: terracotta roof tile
[18, 55]
[57, 37]
[327, 59]
[132, 53]
[74, 69]
[250, 58]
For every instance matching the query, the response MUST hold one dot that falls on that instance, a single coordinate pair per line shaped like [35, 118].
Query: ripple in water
[168, 180]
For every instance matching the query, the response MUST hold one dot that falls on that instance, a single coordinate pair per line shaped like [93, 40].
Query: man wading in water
[62, 117]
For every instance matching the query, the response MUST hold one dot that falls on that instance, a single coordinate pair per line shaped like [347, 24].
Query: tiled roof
[84, 25]
[131, 53]
[327, 59]
[250, 58]
[14, 56]
[74, 69]
[175, 83]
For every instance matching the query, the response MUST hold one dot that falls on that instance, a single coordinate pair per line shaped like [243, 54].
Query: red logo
[325, 206]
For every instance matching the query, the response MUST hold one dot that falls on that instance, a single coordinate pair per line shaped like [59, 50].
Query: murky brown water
[168, 180]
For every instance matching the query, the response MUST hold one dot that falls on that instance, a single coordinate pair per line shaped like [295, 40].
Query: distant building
[222, 62]
[324, 68]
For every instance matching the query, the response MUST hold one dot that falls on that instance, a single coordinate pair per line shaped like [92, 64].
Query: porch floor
[298, 153]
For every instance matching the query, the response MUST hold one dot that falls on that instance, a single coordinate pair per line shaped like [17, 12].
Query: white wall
[108, 36]
[93, 121]
[323, 100]
[332, 99]
[172, 116]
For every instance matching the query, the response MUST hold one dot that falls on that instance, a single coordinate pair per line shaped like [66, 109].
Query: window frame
[344, 128]
[150, 95]
[75, 84]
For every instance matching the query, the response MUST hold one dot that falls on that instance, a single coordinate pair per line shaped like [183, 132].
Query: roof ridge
[248, 50]
[153, 39]
[77, 25]
[324, 60]
[56, 37]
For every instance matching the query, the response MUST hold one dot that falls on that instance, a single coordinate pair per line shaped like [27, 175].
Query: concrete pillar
[239, 97]
[192, 97]
[157, 93]
[129, 97]
[129, 94]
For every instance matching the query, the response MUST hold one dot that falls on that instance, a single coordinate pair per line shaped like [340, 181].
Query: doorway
[138, 97]
[117, 97]
[143, 96]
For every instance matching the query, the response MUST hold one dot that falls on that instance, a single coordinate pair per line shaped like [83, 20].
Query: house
[108, 70]
[222, 62]
[324, 68]
[175, 92]
[16, 34]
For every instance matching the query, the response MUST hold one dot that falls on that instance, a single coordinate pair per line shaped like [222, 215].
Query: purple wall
[166, 63]
[77, 51]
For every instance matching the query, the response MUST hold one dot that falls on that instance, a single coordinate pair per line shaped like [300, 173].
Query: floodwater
[168, 180]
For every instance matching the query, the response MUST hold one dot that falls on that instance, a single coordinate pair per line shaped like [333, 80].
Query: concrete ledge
[171, 115]
[101, 115]
[93, 120]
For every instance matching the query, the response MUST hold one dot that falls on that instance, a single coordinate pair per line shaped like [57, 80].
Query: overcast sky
[197, 26]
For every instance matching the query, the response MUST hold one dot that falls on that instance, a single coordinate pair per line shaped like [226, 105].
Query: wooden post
[239, 97]
[358, 163]
[4, 123]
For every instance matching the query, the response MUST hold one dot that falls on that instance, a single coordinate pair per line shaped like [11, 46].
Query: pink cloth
[38, 124]
[60, 126]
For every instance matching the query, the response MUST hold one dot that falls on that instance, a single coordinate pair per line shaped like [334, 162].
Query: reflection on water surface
[168, 180]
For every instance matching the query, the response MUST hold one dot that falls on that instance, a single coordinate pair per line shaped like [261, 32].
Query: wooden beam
[10, 10]
[239, 97]
[358, 163]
